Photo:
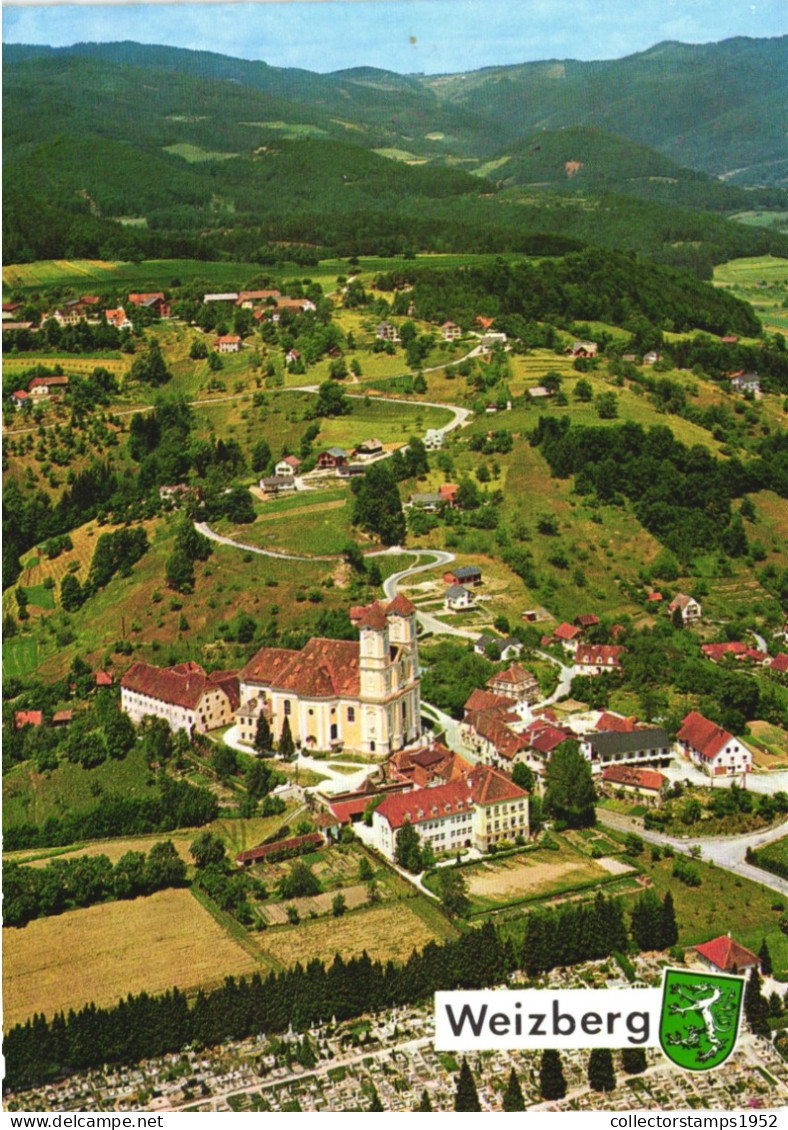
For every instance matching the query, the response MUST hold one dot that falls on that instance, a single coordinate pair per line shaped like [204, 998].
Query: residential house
[478, 810]
[361, 694]
[503, 649]
[712, 749]
[277, 484]
[566, 634]
[651, 357]
[227, 343]
[184, 696]
[387, 332]
[515, 682]
[457, 598]
[368, 449]
[689, 607]
[429, 501]
[487, 728]
[39, 387]
[736, 650]
[178, 493]
[62, 717]
[425, 768]
[586, 620]
[726, 955]
[780, 663]
[746, 382]
[9, 309]
[154, 301]
[293, 357]
[641, 745]
[333, 458]
[287, 467]
[463, 575]
[450, 331]
[490, 339]
[585, 349]
[433, 439]
[20, 398]
[595, 658]
[118, 318]
[103, 679]
[646, 783]
[351, 471]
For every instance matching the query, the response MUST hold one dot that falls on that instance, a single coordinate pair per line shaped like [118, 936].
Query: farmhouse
[20, 398]
[118, 318]
[463, 575]
[644, 744]
[387, 332]
[229, 296]
[429, 501]
[154, 301]
[45, 386]
[247, 299]
[736, 650]
[689, 607]
[433, 439]
[711, 748]
[450, 331]
[746, 382]
[646, 783]
[184, 696]
[277, 484]
[477, 810]
[334, 458]
[726, 955]
[227, 343]
[585, 349]
[28, 718]
[362, 695]
[566, 634]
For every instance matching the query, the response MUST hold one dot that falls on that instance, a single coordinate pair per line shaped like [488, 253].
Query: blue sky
[433, 36]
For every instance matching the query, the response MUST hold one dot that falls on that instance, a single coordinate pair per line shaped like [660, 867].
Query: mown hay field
[528, 876]
[103, 953]
[385, 932]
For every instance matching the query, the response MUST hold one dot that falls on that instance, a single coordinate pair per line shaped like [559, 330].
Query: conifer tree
[376, 1104]
[552, 1084]
[766, 959]
[646, 921]
[466, 1097]
[513, 1095]
[633, 1060]
[425, 1106]
[670, 930]
[601, 1076]
[263, 741]
[286, 745]
[756, 1007]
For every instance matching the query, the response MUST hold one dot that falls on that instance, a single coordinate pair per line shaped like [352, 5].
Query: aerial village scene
[395, 588]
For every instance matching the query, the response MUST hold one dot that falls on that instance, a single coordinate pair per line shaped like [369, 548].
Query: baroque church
[340, 694]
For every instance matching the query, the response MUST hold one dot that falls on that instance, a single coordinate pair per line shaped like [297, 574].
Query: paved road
[726, 851]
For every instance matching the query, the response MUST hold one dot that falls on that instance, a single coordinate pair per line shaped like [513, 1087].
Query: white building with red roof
[361, 695]
[726, 955]
[595, 658]
[713, 749]
[479, 809]
[184, 696]
[647, 783]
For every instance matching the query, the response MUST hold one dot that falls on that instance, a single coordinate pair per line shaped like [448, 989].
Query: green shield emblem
[700, 1014]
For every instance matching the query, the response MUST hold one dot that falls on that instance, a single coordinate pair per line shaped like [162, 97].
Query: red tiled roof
[137, 299]
[653, 596]
[545, 738]
[291, 460]
[702, 735]
[726, 953]
[780, 662]
[62, 716]
[601, 655]
[607, 721]
[629, 775]
[227, 339]
[586, 620]
[103, 679]
[373, 616]
[267, 664]
[183, 685]
[566, 632]
[489, 786]
[400, 606]
[309, 840]
[680, 600]
[46, 382]
[322, 669]
[512, 674]
[28, 718]
[483, 785]
[486, 701]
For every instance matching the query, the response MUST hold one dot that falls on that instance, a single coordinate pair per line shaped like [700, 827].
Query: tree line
[65, 884]
[143, 1026]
